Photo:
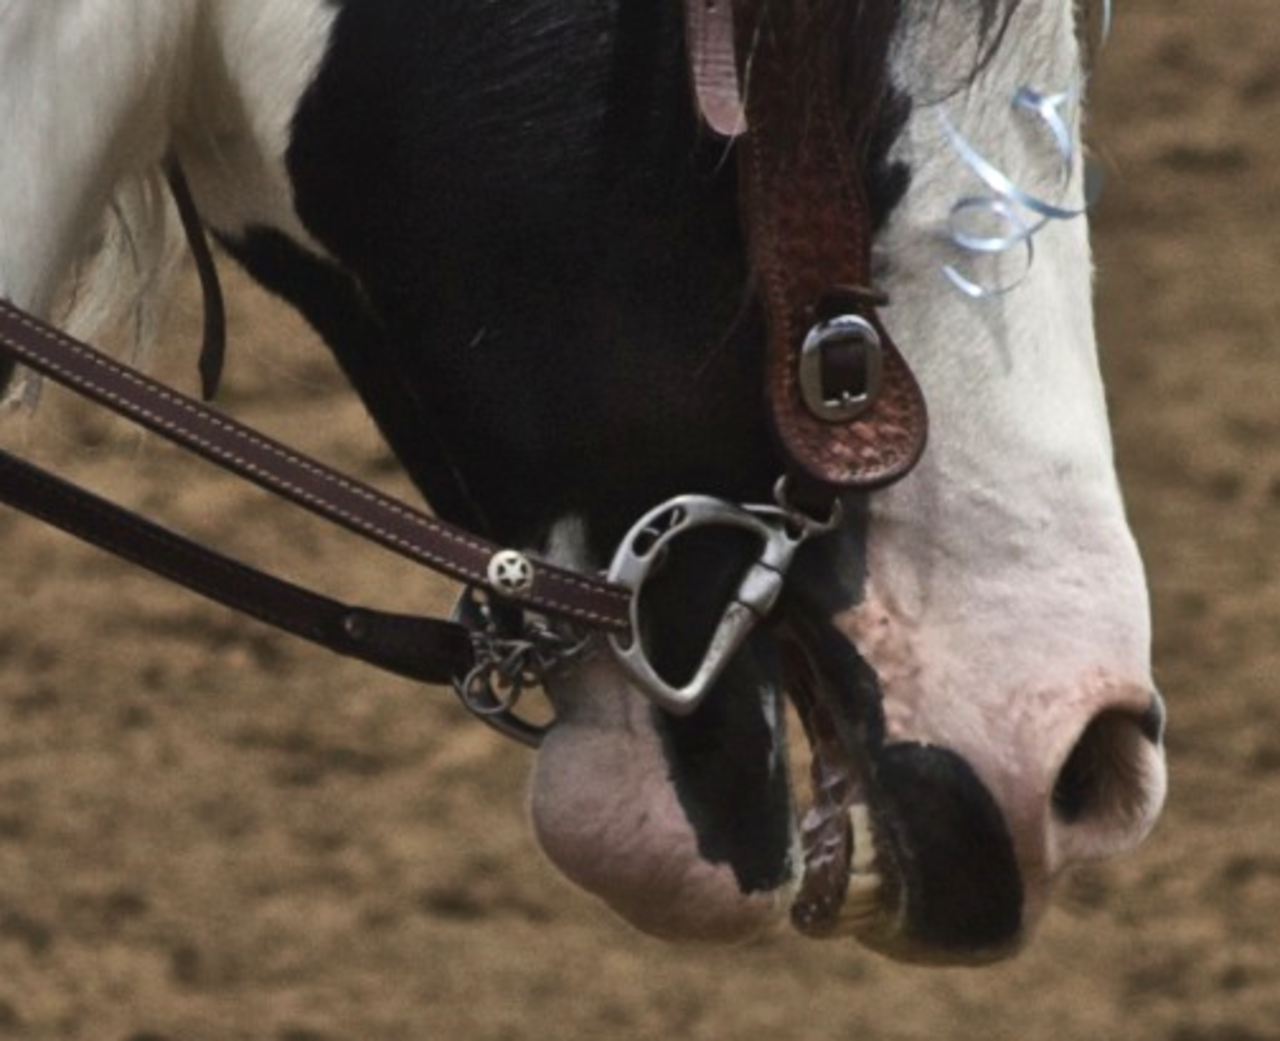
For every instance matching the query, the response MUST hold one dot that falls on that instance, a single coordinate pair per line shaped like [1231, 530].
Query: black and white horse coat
[524, 250]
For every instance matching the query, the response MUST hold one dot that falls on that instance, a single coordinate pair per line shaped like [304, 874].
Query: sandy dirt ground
[209, 832]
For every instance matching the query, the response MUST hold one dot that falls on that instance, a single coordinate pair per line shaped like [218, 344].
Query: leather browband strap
[809, 234]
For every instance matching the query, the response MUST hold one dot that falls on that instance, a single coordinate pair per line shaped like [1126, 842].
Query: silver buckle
[850, 332]
[781, 531]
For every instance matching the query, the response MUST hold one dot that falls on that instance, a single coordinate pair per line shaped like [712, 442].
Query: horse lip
[894, 914]
[870, 902]
[681, 830]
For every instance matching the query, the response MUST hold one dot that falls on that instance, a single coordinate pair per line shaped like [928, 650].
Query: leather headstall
[846, 408]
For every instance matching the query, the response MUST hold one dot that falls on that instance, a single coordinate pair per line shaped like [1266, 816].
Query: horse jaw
[608, 812]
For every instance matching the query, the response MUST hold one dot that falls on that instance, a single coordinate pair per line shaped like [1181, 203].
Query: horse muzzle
[956, 818]
[925, 844]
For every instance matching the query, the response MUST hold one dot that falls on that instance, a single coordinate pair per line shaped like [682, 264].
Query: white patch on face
[1013, 524]
[567, 543]
[255, 62]
[1005, 593]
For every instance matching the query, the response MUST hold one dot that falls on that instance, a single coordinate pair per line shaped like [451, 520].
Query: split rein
[427, 650]
[848, 413]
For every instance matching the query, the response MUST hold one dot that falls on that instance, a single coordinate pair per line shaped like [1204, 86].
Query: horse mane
[121, 282]
[864, 32]
[123, 276]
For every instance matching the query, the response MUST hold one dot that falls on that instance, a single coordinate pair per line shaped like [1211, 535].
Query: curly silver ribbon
[1017, 214]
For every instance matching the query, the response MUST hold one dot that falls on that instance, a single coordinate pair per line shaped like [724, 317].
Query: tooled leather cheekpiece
[808, 228]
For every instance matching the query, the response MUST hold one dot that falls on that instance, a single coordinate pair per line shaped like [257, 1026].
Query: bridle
[847, 410]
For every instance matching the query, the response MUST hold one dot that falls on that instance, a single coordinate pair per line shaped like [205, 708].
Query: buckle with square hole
[841, 368]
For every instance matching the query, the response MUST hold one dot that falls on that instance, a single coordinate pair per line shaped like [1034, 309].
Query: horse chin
[715, 828]
[886, 840]
[690, 828]
[684, 832]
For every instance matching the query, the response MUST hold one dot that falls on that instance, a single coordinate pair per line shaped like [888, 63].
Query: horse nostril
[1112, 783]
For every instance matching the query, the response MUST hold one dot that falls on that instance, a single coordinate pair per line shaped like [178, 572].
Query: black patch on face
[953, 849]
[551, 312]
[729, 775]
[548, 245]
[951, 852]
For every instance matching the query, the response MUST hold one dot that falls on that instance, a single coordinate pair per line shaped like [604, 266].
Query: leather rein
[847, 410]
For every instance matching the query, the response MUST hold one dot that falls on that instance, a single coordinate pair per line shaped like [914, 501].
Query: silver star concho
[510, 573]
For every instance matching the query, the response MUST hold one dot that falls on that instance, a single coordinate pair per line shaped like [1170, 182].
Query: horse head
[550, 254]
[526, 250]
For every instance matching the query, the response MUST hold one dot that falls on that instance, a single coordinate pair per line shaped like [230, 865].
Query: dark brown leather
[809, 233]
[313, 486]
[422, 649]
[213, 349]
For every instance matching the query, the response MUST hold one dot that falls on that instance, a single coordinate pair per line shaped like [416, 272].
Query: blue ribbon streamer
[1019, 213]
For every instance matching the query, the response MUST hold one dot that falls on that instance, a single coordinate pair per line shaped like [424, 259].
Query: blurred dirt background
[209, 832]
